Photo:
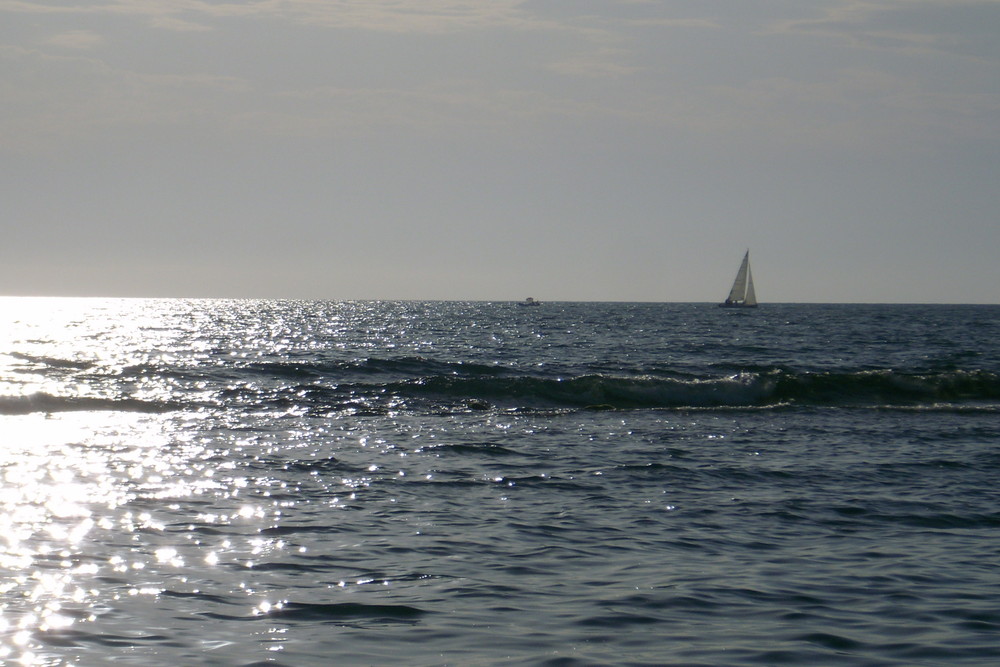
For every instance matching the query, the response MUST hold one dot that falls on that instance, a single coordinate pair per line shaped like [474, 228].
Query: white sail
[742, 294]
[739, 289]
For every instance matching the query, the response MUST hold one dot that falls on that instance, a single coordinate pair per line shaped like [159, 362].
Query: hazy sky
[495, 149]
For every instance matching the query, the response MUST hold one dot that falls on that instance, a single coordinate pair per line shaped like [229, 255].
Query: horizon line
[478, 300]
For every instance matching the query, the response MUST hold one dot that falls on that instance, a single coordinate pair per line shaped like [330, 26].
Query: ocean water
[441, 483]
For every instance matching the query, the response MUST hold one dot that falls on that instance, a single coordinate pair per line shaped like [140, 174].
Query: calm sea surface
[440, 483]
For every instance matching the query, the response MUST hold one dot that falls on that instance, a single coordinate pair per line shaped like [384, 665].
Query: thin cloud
[439, 109]
[51, 98]
[75, 39]
[949, 27]
[601, 63]
[177, 24]
[427, 16]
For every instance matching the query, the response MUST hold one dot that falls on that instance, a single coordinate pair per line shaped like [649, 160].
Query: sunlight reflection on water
[65, 479]
[70, 477]
[95, 507]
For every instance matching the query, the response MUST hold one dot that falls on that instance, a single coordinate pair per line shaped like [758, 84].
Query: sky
[585, 150]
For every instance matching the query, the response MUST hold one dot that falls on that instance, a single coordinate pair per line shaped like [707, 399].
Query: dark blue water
[293, 483]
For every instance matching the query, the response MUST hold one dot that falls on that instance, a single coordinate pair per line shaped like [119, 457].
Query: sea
[278, 482]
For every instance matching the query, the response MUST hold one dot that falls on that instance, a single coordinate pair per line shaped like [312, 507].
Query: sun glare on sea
[69, 468]
[62, 478]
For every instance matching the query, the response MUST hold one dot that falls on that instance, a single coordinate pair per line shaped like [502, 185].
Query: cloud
[75, 39]
[596, 63]
[52, 98]
[426, 16]
[952, 27]
[851, 111]
[301, 68]
[176, 24]
[445, 111]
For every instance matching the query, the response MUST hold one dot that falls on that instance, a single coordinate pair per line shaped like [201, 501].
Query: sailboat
[742, 294]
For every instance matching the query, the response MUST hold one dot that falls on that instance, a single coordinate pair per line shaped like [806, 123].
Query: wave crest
[884, 388]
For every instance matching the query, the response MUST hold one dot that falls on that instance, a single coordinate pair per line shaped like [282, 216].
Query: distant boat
[742, 294]
[530, 302]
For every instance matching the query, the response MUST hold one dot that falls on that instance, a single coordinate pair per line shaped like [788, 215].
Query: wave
[378, 386]
[591, 391]
[891, 388]
[760, 389]
[883, 388]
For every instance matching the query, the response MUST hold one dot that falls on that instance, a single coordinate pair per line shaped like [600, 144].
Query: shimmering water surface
[306, 483]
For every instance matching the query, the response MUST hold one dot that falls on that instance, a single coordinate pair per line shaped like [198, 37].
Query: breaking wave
[417, 384]
[502, 388]
[883, 388]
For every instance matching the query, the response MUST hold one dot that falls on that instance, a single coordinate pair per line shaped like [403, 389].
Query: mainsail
[742, 294]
